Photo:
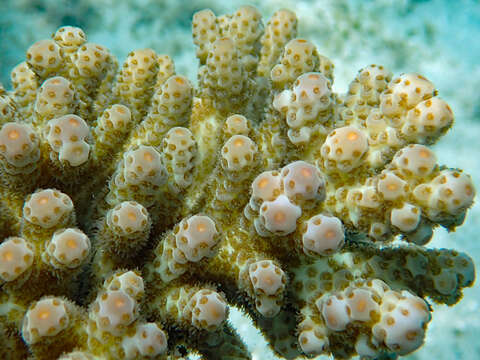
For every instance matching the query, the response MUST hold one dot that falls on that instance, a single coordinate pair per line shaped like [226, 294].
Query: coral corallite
[136, 208]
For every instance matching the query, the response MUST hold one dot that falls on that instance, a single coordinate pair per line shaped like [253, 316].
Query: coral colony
[135, 208]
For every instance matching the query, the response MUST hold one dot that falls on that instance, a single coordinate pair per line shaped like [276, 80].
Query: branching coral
[136, 208]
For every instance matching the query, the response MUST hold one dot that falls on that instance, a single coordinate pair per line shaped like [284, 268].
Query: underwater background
[437, 38]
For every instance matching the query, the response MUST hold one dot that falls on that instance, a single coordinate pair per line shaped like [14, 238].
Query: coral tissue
[136, 208]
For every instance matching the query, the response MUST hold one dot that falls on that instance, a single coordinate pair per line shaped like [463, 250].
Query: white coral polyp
[453, 191]
[128, 218]
[179, 145]
[344, 149]
[406, 218]
[91, 60]
[46, 317]
[16, 256]
[313, 341]
[302, 181]
[403, 321]
[238, 153]
[175, 97]
[416, 160]
[46, 208]
[128, 281]
[207, 309]
[113, 310]
[55, 97]
[334, 310]
[411, 88]
[391, 187]
[149, 340]
[196, 237]
[310, 95]
[361, 304]
[266, 277]
[324, 235]
[67, 135]
[268, 281]
[69, 37]
[19, 144]
[116, 116]
[69, 247]
[144, 165]
[267, 186]
[428, 119]
[236, 125]
[280, 215]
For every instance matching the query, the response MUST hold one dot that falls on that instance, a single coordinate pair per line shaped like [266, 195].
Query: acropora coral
[136, 208]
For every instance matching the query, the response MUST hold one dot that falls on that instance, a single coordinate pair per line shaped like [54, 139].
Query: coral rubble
[136, 208]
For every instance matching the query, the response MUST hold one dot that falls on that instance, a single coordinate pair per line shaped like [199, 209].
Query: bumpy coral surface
[135, 208]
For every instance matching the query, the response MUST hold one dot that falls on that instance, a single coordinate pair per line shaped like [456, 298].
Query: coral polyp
[136, 207]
